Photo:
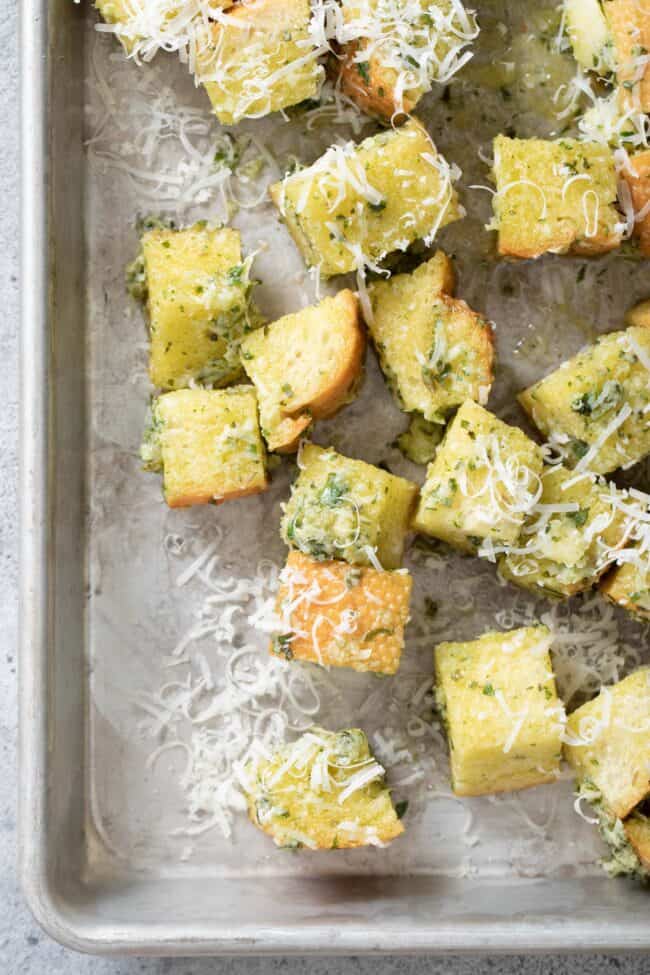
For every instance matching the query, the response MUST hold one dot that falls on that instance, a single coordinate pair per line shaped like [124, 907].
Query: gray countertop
[23, 947]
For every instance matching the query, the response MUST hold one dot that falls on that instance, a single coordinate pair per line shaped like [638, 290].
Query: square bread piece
[637, 832]
[483, 480]
[501, 711]
[207, 445]
[132, 17]
[629, 23]
[608, 743]
[358, 203]
[554, 196]
[590, 36]
[396, 50]
[342, 508]
[433, 349]
[628, 586]
[571, 536]
[637, 176]
[305, 367]
[324, 791]
[198, 305]
[338, 615]
[259, 59]
[596, 406]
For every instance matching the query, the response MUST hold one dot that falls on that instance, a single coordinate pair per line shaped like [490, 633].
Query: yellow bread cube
[484, 478]
[608, 743]
[207, 444]
[554, 196]
[629, 586]
[590, 35]
[629, 23]
[639, 315]
[131, 16]
[594, 407]
[259, 59]
[358, 203]
[433, 349]
[396, 50]
[637, 177]
[637, 831]
[342, 508]
[500, 708]
[305, 367]
[342, 616]
[570, 538]
[197, 291]
[324, 791]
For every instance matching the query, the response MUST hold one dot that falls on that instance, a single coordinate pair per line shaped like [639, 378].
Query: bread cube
[342, 508]
[433, 349]
[628, 586]
[554, 196]
[259, 59]
[570, 538]
[639, 315]
[391, 59]
[197, 290]
[637, 831]
[483, 480]
[358, 203]
[590, 35]
[324, 791]
[207, 445]
[607, 743]
[339, 616]
[134, 18]
[503, 718]
[637, 177]
[629, 23]
[596, 406]
[305, 367]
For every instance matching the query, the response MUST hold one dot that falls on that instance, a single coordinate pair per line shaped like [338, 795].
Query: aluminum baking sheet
[129, 606]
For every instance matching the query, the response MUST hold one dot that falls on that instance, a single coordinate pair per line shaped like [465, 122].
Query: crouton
[346, 509]
[324, 791]
[483, 480]
[607, 743]
[628, 586]
[594, 407]
[590, 35]
[637, 831]
[629, 23]
[131, 18]
[207, 445]
[259, 59]
[554, 196]
[197, 290]
[637, 177]
[358, 203]
[342, 616]
[305, 367]
[571, 536]
[639, 315]
[433, 349]
[500, 708]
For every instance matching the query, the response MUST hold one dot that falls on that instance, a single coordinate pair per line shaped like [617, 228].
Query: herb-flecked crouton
[628, 585]
[637, 176]
[629, 22]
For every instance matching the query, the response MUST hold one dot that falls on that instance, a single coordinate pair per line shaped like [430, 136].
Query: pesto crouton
[207, 445]
[554, 196]
[433, 349]
[346, 509]
[608, 743]
[596, 407]
[637, 177]
[305, 367]
[324, 791]
[259, 59]
[639, 315]
[628, 586]
[136, 21]
[197, 291]
[570, 538]
[340, 615]
[393, 51]
[629, 23]
[590, 36]
[637, 831]
[484, 479]
[358, 203]
[500, 708]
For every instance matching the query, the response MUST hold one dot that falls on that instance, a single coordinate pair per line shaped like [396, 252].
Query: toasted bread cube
[324, 791]
[197, 292]
[342, 508]
[590, 36]
[121, 13]
[554, 196]
[595, 407]
[501, 711]
[259, 59]
[570, 538]
[358, 203]
[608, 743]
[629, 23]
[639, 315]
[484, 478]
[629, 586]
[132, 17]
[637, 831]
[379, 69]
[637, 177]
[339, 616]
[207, 444]
[305, 367]
[433, 349]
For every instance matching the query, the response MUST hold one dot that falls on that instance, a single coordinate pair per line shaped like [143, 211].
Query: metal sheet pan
[95, 868]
